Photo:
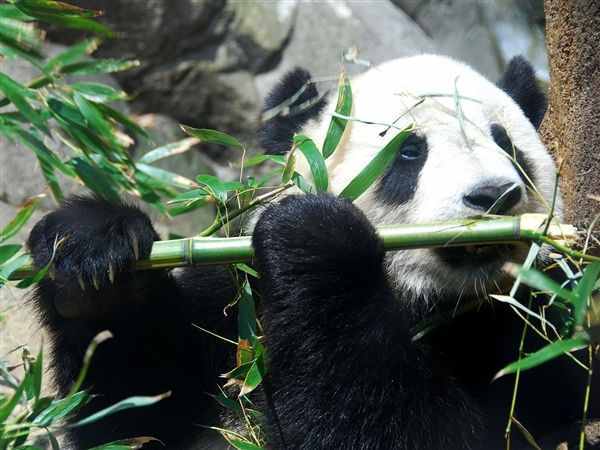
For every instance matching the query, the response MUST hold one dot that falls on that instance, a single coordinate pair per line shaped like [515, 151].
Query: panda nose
[494, 199]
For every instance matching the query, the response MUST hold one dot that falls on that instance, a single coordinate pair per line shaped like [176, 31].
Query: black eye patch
[518, 159]
[399, 183]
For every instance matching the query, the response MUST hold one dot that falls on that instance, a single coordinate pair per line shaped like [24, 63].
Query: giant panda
[337, 312]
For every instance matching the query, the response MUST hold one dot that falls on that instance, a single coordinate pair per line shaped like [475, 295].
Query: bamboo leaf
[98, 92]
[8, 406]
[60, 409]
[376, 166]
[253, 379]
[18, 94]
[42, 151]
[238, 443]
[62, 14]
[11, 266]
[96, 66]
[246, 313]
[127, 444]
[11, 12]
[71, 55]
[259, 159]
[26, 35]
[8, 251]
[95, 179]
[538, 280]
[19, 220]
[315, 161]
[94, 117]
[212, 136]
[168, 150]
[547, 353]
[337, 124]
[166, 177]
[125, 121]
[128, 403]
[584, 290]
[290, 166]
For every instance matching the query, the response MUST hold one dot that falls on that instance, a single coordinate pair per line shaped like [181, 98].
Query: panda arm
[155, 348]
[343, 372]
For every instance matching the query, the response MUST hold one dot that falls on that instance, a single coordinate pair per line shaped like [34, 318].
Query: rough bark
[571, 127]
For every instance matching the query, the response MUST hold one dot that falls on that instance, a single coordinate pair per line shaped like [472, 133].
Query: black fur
[399, 183]
[155, 348]
[518, 158]
[519, 82]
[276, 134]
[343, 371]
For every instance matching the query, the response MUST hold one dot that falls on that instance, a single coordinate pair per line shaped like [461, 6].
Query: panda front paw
[91, 242]
[318, 234]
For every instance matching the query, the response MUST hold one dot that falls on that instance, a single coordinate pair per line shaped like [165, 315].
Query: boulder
[325, 31]
[484, 34]
[197, 57]
[20, 174]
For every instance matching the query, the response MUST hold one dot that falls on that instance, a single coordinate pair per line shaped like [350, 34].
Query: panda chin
[476, 256]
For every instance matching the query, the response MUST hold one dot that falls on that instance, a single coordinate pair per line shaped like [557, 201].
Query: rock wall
[208, 63]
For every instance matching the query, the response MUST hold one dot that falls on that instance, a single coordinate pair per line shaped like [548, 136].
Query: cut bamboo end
[561, 232]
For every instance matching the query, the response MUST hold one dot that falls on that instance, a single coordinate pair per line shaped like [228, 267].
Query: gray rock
[226, 102]
[324, 31]
[484, 34]
[20, 174]
[197, 55]
[164, 130]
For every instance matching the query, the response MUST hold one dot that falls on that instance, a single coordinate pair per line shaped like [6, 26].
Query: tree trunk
[571, 127]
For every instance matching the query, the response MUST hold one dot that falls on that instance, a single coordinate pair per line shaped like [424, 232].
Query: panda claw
[111, 273]
[135, 244]
[95, 282]
[80, 281]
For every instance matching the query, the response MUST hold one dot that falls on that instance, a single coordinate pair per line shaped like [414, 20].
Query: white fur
[453, 166]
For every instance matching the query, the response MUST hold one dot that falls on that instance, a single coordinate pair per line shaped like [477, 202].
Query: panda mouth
[475, 255]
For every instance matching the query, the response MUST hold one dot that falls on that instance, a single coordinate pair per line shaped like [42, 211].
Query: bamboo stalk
[488, 230]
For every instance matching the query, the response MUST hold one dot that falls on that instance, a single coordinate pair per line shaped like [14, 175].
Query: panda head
[474, 150]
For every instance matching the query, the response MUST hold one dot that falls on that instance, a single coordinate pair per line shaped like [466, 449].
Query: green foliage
[80, 114]
[26, 414]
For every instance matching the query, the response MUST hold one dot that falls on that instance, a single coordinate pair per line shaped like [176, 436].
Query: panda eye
[410, 152]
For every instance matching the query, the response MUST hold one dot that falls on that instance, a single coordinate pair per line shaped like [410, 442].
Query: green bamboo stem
[492, 230]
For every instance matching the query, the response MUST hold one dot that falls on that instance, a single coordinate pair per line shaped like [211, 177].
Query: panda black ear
[519, 82]
[277, 132]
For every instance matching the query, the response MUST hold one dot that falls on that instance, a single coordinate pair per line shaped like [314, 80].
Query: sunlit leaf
[127, 444]
[165, 151]
[62, 14]
[18, 95]
[259, 159]
[337, 124]
[71, 55]
[315, 161]
[128, 403]
[169, 178]
[246, 313]
[584, 291]
[547, 353]
[98, 92]
[8, 251]
[253, 379]
[376, 166]
[96, 66]
[95, 179]
[212, 136]
[62, 408]
[538, 280]
[19, 220]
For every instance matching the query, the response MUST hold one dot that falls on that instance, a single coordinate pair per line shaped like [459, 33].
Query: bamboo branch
[487, 230]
